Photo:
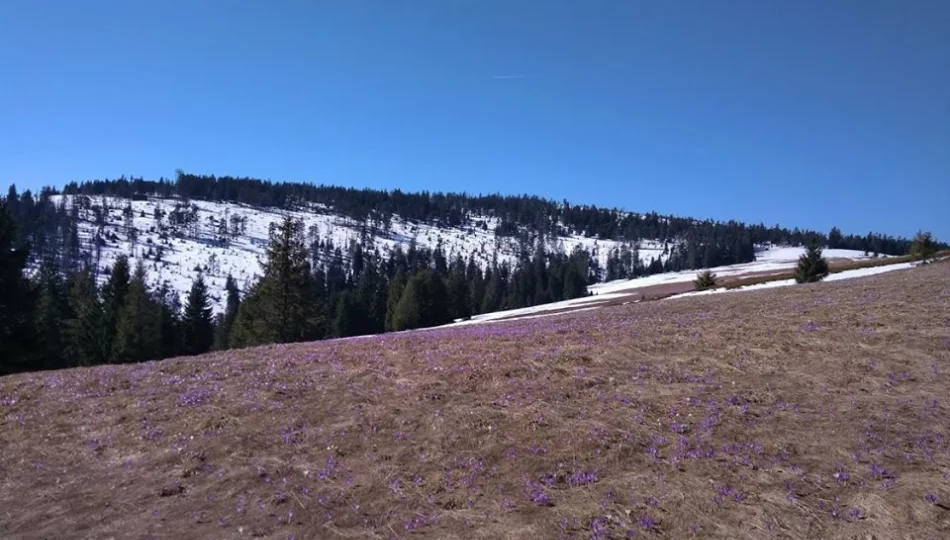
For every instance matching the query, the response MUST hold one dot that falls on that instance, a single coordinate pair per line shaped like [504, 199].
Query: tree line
[725, 242]
[66, 315]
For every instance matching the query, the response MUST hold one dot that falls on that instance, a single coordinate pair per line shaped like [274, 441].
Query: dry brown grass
[799, 412]
[834, 265]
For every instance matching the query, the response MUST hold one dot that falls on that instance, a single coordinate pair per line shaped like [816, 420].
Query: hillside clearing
[794, 412]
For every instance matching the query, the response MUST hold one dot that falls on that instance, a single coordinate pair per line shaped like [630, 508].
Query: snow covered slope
[197, 246]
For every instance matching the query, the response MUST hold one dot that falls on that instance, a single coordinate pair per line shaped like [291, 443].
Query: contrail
[510, 76]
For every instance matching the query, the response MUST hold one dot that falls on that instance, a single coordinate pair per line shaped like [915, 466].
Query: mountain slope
[809, 411]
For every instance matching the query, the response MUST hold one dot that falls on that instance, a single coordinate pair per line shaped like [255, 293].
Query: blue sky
[807, 114]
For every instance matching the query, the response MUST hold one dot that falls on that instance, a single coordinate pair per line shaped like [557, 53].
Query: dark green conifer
[197, 321]
[812, 267]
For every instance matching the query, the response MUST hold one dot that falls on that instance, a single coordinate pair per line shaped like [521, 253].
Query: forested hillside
[129, 270]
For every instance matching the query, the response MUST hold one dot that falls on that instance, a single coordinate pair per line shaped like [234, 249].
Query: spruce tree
[169, 320]
[575, 276]
[923, 248]
[226, 319]
[16, 325]
[476, 285]
[812, 267]
[494, 292]
[423, 303]
[251, 326]
[113, 298]
[705, 280]
[52, 310]
[197, 320]
[834, 238]
[138, 330]
[370, 297]
[458, 291]
[282, 306]
[349, 319]
[394, 293]
[376, 305]
[85, 331]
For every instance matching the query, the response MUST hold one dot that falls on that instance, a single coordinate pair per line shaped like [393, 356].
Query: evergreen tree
[226, 319]
[357, 260]
[458, 291]
[439, 262]
[138, 331]
[812, 267]
[85, 332]
[197, 321]
[575, 276]
[251, 326]
[370, 296]
[378, 305]
[283, 307]
[705, 280]
[16, 298]
[71, 253]
[52, 309]
[423, 303]
[476, 285]
[350, 316]
[924, 248]
[169, 320]
[834, 238]
[494, 292]
[397, 285]
[113, 298]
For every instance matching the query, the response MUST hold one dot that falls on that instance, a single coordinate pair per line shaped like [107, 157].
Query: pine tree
[376, 306]
[169, 320]
[924, 248]
[370, 297]
[85, 332]
[705, 280]
[251, 326]
[226, 320]
[51, 310]
[812, 267]
[357, 262]
[458, 291]
[16, 298]
[349, 319]
[138, 330]
[494, 292]
[575, 276]
[113, 298]
[423, 303]
[834, 238]
[476, 285]
[397, 285]
[197, 320]
[282, 306]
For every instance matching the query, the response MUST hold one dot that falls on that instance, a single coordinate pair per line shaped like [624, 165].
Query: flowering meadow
[800, 412]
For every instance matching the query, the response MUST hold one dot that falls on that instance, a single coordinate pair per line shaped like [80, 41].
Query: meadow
[812, 411]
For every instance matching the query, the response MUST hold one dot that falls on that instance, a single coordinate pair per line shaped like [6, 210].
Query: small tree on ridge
[705, 280]
[812, 267]
[924, 248]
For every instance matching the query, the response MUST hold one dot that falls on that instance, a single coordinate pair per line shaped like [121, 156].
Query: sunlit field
[799, 412]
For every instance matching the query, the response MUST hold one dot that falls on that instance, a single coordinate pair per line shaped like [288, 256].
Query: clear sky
[804, 113]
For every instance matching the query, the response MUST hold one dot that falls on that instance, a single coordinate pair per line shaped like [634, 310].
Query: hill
[218, 226]
[798, 412]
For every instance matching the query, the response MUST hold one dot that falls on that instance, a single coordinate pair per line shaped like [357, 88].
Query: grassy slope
[799, 412]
